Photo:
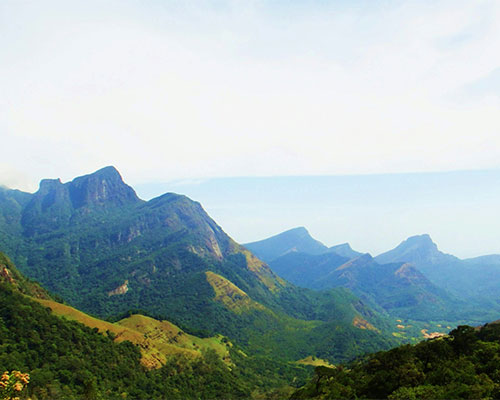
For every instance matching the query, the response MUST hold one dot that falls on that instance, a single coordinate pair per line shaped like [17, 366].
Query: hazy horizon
[374, 213]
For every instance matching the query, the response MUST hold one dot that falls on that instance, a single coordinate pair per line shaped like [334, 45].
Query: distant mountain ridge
[418, 250]
[475, 279]
[397, 288]
[345, 250]
[293, 240]
[296, 240]
[413, 280]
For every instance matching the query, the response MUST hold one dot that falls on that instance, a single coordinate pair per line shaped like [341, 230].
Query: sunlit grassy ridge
[230, 295]
[315, 362]
[157, 340]
[69, 360]
[363, 324]
[167, 338]
[258, 267]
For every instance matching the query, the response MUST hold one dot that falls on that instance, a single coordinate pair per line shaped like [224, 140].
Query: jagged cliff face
[104, 188]
[55, 205]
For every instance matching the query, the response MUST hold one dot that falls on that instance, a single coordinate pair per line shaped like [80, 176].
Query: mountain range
[95, 244]
[414, 280]
[164, 292]
[296, 240]
[473, 278]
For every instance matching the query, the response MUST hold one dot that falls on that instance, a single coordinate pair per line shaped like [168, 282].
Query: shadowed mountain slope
[397, 288]
[476, 279]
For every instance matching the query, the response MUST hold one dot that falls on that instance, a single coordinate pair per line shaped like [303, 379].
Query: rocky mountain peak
[54, 204]
[418, 250]
[46, 185]
[52, 192]
[103, 187]
[421, 241]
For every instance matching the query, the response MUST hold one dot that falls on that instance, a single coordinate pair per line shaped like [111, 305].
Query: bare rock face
[5, 274]
[55, 204]
[122, 289]
[101, 188]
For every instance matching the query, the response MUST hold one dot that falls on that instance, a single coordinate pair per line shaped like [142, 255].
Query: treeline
[463, 365]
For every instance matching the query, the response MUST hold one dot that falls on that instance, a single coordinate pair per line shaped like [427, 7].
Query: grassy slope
[270, 333]
[157, 340]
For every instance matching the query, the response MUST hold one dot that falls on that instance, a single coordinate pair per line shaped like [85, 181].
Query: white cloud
[174, 90]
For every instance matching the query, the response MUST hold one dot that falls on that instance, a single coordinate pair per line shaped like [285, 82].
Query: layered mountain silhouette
[398, 288]
[345, 250]
[476, 279]
[419, 250]
[93, 242]
[296, 240]
[411, 281]
[293, 240]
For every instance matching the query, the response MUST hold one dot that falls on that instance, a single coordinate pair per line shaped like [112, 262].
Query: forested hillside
[463, 365]
[69, 360]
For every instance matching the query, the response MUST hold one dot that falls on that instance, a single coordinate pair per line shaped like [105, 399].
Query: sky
[374, 213]
[185, 90]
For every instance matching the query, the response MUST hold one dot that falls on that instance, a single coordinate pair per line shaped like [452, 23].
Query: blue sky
[374, 213]
[187, 90]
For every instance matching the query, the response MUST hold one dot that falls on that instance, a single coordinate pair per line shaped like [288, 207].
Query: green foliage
[10, 274]
[67, 360]
[465, 364]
